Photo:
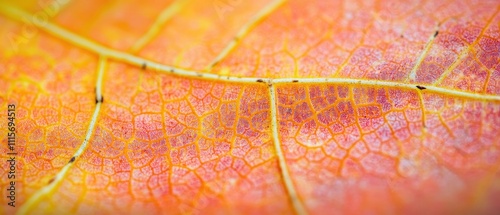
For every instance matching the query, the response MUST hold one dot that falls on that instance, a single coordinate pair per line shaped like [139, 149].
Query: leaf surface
[252, 106]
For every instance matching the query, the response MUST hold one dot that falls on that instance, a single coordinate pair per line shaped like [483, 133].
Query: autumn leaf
[250, 107]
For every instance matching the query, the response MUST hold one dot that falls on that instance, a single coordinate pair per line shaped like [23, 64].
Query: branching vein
[287, 179]
[138, 61]
[244, 30]
[466, 51]
[413, 73]
[164, 17]
[56, 181]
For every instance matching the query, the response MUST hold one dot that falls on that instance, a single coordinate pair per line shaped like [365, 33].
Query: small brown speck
[99, 100]
[420, 87]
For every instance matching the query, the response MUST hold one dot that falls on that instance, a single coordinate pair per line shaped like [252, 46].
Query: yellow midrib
[154, 66]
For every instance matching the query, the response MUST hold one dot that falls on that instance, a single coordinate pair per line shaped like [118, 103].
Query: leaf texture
[274, 107]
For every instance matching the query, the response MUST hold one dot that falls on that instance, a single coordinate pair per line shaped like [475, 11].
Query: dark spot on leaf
[51, 180]
[436, 33]
[72, 159]
[420, 87]
[260, 80]
[144, 65]
[295, 81]
[97, 100]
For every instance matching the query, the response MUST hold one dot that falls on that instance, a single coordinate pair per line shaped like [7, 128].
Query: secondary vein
[245, 29]
[54, 184]
[287, 179]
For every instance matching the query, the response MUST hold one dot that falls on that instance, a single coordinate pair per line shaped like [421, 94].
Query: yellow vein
[56, 6]
[244, 30]
[134, 60]
[287, 179]
[351, 52]
[421, 98]
[466, 51]
[413, 73]
[399, 85]
[164, 17]
[56, 181]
